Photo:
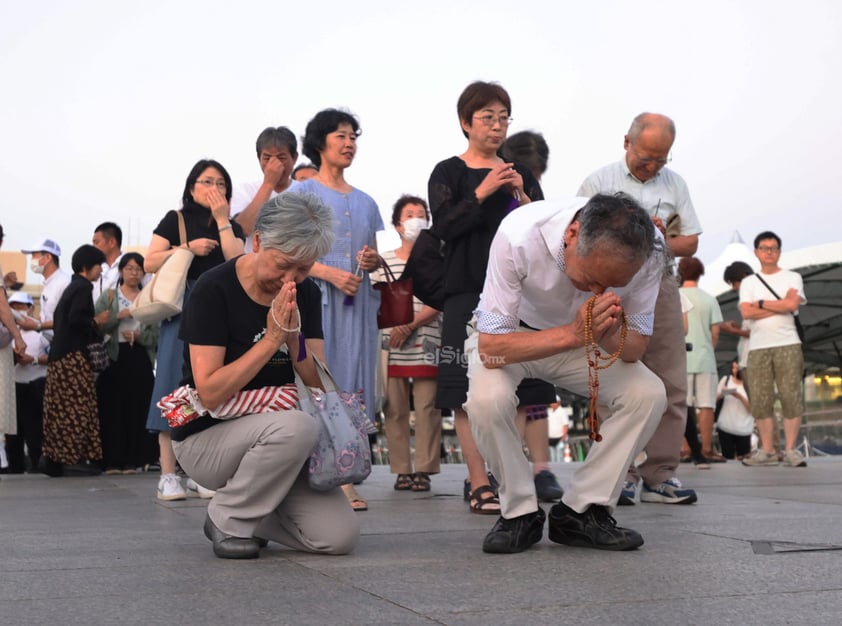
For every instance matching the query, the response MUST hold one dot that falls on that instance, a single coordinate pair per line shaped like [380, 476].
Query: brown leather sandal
[404, 482]
[420, 481]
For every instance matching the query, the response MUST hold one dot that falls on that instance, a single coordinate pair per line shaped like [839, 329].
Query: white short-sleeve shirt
[526, 279]
[243, 194]
[776, 330]
[661, 196]
[54, 286]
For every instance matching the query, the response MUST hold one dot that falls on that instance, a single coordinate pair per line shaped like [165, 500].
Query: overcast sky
[107, 105]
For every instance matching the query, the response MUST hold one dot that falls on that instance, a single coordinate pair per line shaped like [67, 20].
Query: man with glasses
[770, 299]
[664, 195]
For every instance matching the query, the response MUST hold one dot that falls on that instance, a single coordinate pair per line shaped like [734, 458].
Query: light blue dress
[351, 335]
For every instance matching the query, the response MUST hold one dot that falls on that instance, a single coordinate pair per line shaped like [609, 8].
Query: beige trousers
[631, 403]
[256, 464]
[427, 426]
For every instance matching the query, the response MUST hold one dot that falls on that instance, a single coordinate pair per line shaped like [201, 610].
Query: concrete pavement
[762, 546]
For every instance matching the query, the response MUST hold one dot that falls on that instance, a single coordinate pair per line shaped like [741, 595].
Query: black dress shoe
[516, 534]
[228, 546]
[49, 467]
[595, 528]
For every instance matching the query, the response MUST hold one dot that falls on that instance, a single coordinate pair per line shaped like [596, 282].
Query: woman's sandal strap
[478, 502]
[420, 481]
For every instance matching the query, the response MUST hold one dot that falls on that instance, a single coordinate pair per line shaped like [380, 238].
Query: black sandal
[420, 481]
[404, 482]
[481, 499]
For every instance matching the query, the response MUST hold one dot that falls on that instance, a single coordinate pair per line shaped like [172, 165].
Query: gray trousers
[256, 464]
[631, 403]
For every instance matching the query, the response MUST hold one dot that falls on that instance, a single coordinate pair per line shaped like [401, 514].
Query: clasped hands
[606, 319]
[283, 318]
[399, 335]
[502, 175]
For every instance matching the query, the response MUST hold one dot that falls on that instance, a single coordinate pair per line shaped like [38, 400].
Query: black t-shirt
[198, 223]
[220, 313]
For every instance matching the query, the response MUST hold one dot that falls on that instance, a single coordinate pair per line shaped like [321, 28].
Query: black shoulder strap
[760, 278]
[794, 315]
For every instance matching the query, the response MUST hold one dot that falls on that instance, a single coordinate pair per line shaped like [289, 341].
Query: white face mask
[36, 267]
[413, 227]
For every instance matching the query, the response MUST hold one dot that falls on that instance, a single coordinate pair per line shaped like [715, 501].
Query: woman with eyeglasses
[214, 239]
[126, 385]
[469, 195]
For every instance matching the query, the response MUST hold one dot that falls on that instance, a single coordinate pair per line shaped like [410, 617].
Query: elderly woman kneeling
[252, 323]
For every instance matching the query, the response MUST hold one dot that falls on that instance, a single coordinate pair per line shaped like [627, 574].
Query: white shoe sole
[176, 496]
[657, 498]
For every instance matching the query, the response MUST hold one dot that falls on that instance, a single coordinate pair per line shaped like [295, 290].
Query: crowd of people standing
[282, 280]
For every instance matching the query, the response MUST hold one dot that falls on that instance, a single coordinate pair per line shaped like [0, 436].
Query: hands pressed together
[283, 320]
[606, 319]
[502, 175]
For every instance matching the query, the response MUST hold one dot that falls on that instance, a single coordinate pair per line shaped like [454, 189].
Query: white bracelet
[278, 324]
[226, 227]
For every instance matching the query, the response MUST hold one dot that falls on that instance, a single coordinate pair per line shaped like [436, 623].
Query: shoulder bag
[425, 266]
[163, 297]
[798, 327]
[342, 454]
[98, 356]
[96, 352]
[396, 306]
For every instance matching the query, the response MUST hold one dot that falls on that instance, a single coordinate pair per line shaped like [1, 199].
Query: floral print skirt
[71, 420]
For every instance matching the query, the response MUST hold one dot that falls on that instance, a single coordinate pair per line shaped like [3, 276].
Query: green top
[148, 332]
[704, 314]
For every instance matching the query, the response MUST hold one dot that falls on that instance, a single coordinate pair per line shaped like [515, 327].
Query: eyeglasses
[768, 248]
[649, 160]
[209, 182]
[488, 120]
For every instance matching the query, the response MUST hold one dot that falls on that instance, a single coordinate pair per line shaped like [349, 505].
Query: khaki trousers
[631, 403]
[256, 464]
[427, 426]
[666, 356]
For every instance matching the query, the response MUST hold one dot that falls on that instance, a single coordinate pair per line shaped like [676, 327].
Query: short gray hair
[299, 225]
[619, 222]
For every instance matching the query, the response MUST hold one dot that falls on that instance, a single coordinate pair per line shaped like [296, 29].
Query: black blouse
[199, 223]
[73, 321]
[466, 226]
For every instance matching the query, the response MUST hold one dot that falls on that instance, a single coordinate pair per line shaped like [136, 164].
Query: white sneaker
[170, 488]
[202, 492]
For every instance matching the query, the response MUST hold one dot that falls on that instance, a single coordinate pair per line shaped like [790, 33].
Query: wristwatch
[760, 304]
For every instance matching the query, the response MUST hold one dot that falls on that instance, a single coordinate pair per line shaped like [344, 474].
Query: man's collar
[635, 178]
